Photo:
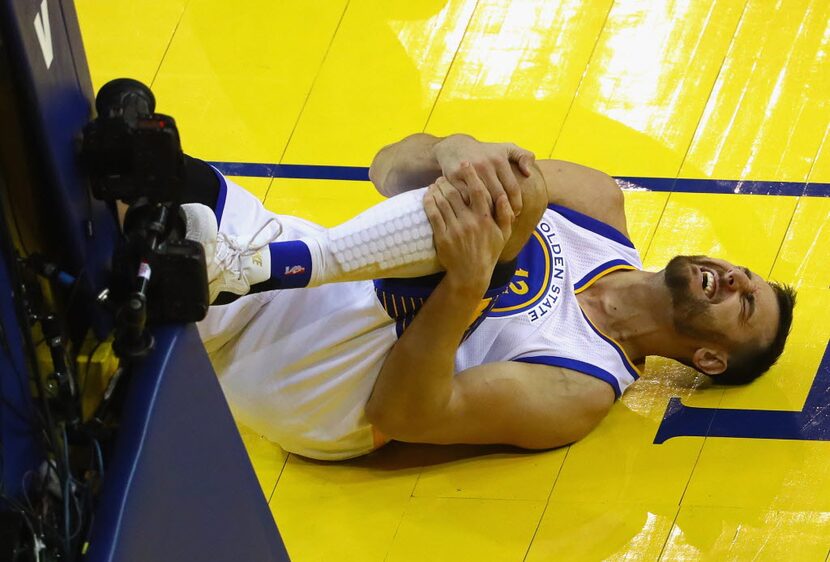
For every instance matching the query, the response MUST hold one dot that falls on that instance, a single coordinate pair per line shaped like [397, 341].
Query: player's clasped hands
[489, 163]
[469, 234]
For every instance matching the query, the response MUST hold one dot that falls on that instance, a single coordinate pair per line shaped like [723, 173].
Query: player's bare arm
[417, 397]
[418, 159]
[589, 191]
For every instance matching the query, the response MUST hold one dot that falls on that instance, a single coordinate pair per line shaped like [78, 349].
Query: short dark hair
[744, 367]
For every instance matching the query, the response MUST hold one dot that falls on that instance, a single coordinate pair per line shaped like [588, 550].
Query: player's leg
[255, 250]
[250, 249]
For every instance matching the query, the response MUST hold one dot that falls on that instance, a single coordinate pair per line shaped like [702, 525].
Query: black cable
[44, 519]
[13, 220]
[4, 342]
[99, 455]
[74, 292]
[31, 530]
[29, 512]
[75, 495]
[79, 522]
[67, 536]
[51, 467]
[32, 352]
[30, 423]
[68, 493]
[42, 396]
[28, 518]
[6, 348]
[89, 357]
[25, 487]
[51, 444]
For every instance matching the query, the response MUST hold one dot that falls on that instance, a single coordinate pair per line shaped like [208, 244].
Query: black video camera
[134, 155]
[129, 151]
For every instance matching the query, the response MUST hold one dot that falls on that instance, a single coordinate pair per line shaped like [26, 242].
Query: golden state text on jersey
[537, 285]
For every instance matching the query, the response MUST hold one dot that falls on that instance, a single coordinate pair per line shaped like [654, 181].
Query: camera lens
[125, 97]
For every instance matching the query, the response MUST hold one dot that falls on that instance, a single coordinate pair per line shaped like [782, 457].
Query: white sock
[390, 239]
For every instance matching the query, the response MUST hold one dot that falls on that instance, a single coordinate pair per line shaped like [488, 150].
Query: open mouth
[709, 282]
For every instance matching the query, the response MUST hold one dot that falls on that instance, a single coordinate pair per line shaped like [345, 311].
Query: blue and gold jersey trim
[600, 271]
[592, 224]
[402, 309]
[629, 364]
[403, 298]
[575, 365]
[222, 197]
[592, 277]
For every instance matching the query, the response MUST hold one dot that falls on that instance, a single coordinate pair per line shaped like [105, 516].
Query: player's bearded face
[692, 314]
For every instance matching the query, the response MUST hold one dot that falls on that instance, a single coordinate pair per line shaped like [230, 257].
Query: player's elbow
[374, 413]
[394, 426]
[534, 192]
[582, 421]
[612, 197]
[616, 197]
[394, 423]
[378, 171]
[554, 438]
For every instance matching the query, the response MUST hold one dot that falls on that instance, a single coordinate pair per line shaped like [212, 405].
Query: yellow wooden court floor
[714, 114]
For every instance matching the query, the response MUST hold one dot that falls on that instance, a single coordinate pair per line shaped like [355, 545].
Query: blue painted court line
[680, 185]
[354, 173]
[683, 185]
[811, 423]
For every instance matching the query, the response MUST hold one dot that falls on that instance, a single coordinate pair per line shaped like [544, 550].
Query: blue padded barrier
[179, 485]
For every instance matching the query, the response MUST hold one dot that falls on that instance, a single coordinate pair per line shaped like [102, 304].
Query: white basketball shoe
[233, 265]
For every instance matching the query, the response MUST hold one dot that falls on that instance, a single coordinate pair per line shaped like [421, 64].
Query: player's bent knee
[534, 202]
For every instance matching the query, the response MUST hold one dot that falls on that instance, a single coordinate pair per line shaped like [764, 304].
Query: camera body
[141, 157]
[130, 151]
[134, 155]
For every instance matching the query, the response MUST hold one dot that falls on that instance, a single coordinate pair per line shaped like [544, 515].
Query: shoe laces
[229, 252]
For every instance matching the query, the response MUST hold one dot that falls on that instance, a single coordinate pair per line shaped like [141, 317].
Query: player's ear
[709, 360]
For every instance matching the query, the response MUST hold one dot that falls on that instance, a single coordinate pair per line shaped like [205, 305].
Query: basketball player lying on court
[503, 304]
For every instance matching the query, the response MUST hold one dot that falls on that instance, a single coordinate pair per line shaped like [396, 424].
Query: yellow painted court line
[768, 111]
[127, 39]
[380, 79]
[310, 89]
[517, 69]
[638, 104]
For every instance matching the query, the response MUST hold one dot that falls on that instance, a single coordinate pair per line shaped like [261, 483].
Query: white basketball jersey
[538, 319]
[299, 365]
